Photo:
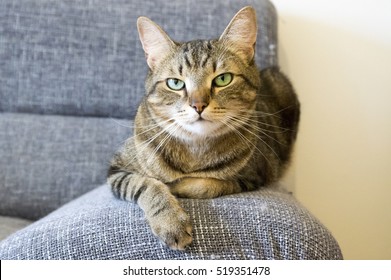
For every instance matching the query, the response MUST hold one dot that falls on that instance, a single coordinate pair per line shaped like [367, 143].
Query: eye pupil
[223, 80]
[175, 84]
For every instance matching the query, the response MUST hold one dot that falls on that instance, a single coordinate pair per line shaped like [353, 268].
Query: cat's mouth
[200, 126]
[202, 121]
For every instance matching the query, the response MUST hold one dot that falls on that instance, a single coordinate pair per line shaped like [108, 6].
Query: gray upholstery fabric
[48, 160]
[266, 224]
[85, 58]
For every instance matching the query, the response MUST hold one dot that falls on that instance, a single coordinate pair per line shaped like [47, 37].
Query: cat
[210, 124]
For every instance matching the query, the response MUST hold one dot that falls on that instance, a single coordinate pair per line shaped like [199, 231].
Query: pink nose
[199, 106]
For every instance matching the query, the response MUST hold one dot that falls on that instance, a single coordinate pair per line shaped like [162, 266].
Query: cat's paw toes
[173, 229]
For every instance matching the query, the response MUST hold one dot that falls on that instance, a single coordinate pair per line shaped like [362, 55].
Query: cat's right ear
[156, 43]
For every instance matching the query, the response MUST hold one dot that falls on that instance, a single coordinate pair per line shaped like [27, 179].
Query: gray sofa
[71, 77]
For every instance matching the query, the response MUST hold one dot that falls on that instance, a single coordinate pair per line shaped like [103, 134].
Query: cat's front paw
[173, 228]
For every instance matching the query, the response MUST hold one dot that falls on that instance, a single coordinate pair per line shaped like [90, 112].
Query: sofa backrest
[84, 58]
[67, 68]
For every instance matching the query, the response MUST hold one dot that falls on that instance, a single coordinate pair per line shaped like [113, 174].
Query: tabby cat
[210, 124]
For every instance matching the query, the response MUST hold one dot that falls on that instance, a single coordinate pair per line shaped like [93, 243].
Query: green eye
[223, 80]
[175, 84]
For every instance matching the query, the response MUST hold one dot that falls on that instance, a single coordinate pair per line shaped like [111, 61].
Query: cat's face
[196, 89]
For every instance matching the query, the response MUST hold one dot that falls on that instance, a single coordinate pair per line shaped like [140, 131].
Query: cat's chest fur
[218, 158]
[192, 156]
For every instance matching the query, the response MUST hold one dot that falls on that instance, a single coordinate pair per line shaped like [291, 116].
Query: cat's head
[196, 88]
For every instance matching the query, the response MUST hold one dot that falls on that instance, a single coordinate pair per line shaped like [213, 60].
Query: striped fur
[203, 140]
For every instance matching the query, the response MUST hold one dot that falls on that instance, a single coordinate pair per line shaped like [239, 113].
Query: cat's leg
[165, 216]
[190, 187]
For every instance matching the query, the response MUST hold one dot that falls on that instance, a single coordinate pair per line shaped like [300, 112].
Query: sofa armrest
[264, 224]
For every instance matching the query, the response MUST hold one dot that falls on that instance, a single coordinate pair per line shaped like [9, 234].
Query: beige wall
[338, 55]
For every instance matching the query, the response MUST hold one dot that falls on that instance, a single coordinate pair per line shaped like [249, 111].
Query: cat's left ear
[241, 33]
[156, 43]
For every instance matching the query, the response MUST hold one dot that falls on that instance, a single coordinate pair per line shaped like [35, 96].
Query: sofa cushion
[48, 160]
[265, 224]
[85, 58]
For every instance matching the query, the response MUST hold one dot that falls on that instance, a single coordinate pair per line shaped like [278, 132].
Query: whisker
[122, 124]
[258, 137]
[257, 128]
[245, 139]
[163, 142]
[275, 114]
[150, 127]
[140, 147]
[248, 121]
[280, 129]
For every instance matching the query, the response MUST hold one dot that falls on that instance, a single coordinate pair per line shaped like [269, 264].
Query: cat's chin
[202, 128]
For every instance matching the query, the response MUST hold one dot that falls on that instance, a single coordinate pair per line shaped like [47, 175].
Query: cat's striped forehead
[202, 58]
[197, 54]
